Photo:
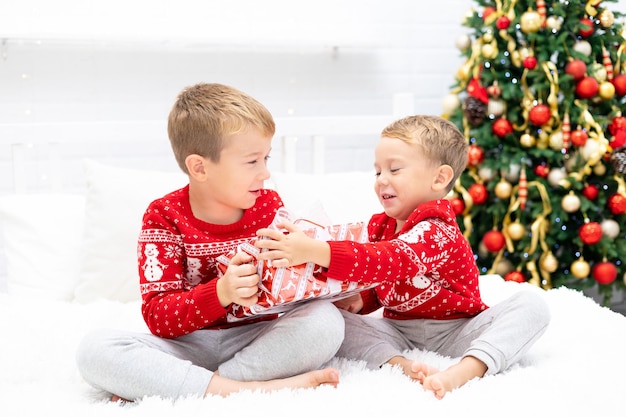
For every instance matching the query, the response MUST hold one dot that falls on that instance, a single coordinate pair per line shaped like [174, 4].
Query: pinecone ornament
[618, 159]
[474, 110]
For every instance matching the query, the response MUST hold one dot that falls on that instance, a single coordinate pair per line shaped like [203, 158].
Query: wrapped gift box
[280, 289]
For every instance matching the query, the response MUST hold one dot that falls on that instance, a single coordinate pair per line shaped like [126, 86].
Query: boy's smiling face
[405, 177]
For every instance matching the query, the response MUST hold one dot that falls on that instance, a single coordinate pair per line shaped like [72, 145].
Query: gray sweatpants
[498, 336]
[133, 365]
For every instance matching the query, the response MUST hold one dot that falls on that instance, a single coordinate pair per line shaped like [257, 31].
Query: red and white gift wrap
[281, 289]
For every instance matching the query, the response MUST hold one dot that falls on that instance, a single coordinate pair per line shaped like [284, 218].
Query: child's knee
[535, 307]
[328, 324]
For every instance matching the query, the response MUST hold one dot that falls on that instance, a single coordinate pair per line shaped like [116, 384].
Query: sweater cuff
[206, 296]
[341, 261]
[370, 301]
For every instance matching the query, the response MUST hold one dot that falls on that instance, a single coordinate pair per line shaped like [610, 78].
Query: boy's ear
[445, 173]
[195, 167]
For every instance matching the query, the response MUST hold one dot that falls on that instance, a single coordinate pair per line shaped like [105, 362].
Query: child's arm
[291, 248]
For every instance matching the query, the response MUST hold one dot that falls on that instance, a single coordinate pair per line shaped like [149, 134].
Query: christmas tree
[540, 97]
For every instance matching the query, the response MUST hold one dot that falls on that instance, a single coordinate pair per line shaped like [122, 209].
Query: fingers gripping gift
[280, 289]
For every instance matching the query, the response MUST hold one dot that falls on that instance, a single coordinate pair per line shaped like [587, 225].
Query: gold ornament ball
[516, 230]
[496, 106]
[590, 150]
[570, 203]
[486, 174]
[527, 140]
[580, 268]
[606, 90]
[530, 22]
[555, 176]
[599, 169]
[463, 73]
[489, 51]
[607, 18]
[610, 228]
[463, 42]
[503, 267]
[583, 47]
[451, 102]
[503, 190]
[549, 262]
[554, 23]
[556, 140]
[469, 14]
[524, 53]
[624, 278]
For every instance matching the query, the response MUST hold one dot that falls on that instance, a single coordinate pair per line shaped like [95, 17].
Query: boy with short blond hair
[221, 138]
[428, 276]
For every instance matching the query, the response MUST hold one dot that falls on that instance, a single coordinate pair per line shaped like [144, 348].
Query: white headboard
[48, 156]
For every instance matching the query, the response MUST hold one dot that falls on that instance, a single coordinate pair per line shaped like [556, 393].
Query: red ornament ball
[576, 68]
[487, 11]
[587, 88]
[617, 124]
[502, 127]
[590, 233]
[475, 155]
[578, 137]
[539, 115]
[478, 192]
[530, 62]
[619, 82]
[617, 204]
[503, 22]
[604, 272]
[515, 276]
[586, 28]
[590, 192]
[458, 205]
[493, 240]
[542, 171]
[618, 140]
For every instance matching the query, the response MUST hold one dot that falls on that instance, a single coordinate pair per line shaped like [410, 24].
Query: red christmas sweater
[427, 270]
[177, 262]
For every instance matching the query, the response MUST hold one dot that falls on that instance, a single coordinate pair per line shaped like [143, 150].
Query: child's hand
[287, 246]
[352, 304]
[239, 284]
[290, 246]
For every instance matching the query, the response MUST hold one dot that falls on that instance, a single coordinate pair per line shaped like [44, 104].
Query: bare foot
[455, 376]
[119, 400]
[224, 386]
[413, 369]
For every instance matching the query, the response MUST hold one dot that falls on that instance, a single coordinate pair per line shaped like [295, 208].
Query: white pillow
[42, 241]
[116, 200]
[344, 196]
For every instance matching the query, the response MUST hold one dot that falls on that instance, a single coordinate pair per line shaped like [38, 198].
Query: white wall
[78, 60]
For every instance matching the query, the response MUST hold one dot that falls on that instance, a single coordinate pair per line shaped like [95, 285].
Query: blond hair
[440, 140]
[205, 115]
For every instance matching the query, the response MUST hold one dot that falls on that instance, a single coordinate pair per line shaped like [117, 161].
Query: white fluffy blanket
[575, 368]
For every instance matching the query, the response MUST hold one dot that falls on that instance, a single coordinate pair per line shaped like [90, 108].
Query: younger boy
[221, 139]
[426, 269]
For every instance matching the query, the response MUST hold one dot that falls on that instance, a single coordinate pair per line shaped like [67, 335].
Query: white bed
[70, 267]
